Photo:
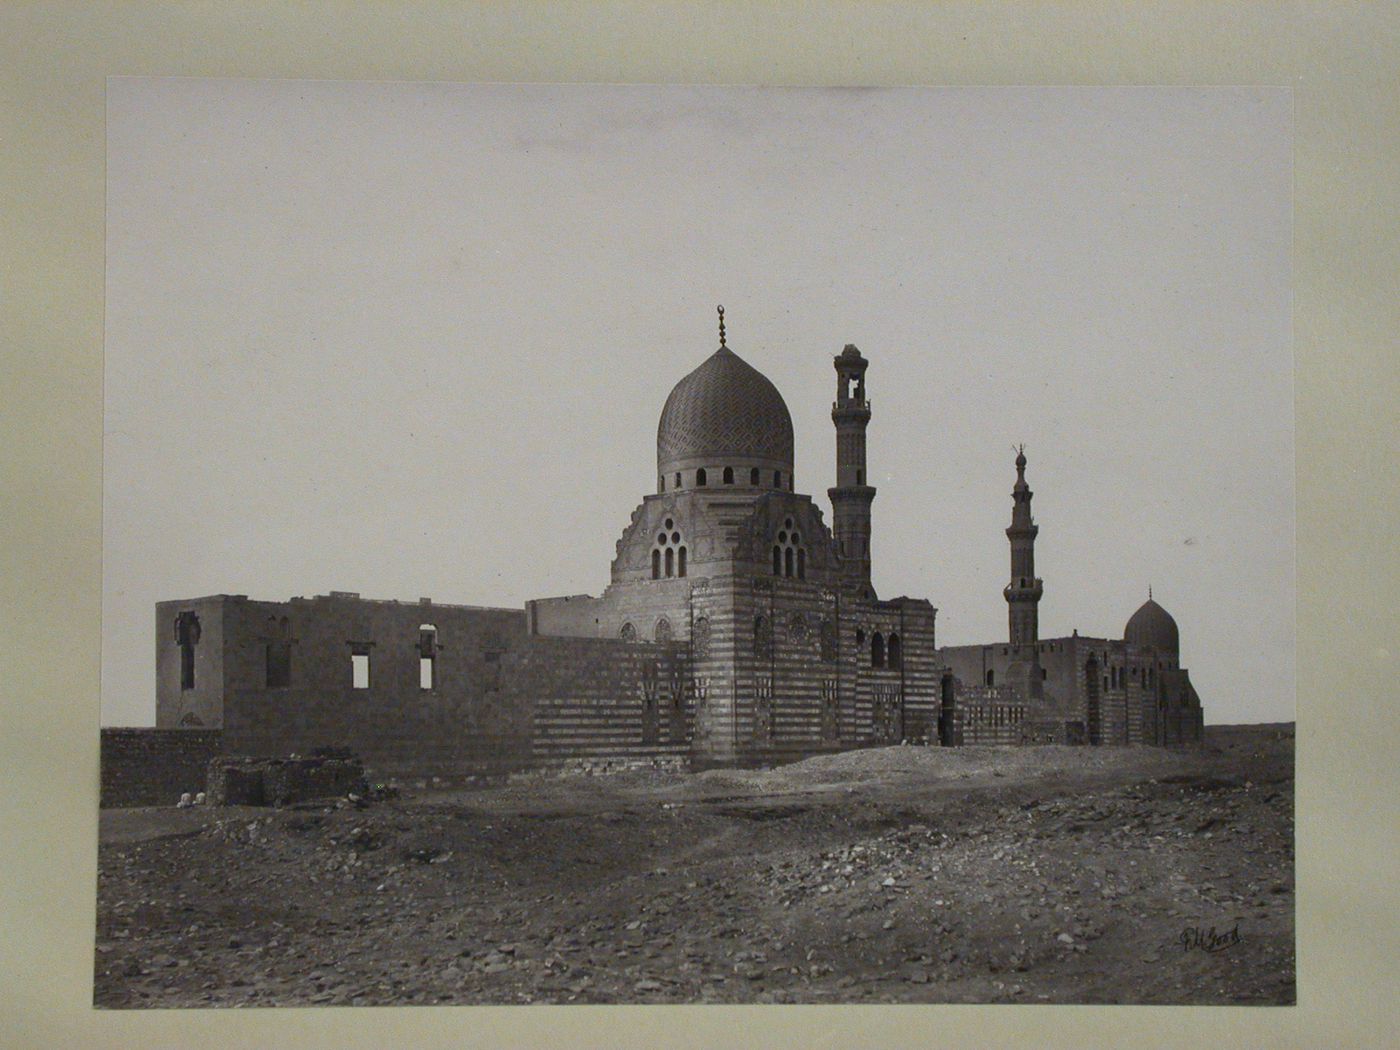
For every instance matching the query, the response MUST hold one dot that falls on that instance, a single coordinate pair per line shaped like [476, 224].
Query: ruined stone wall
[570, 616]
[636, 611]
[153, 767]
[1115, 717]
[234, 781]
[787, 696]
[805, 680]
[466, 721]
[1125, 689]
[921, 665]
[991, 715]
[499, 701]
[971, 663]
[180, 702]
[603, 703]
[1182, 721]
[1060, 688]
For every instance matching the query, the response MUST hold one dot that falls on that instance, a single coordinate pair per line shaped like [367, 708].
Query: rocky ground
[891, 875]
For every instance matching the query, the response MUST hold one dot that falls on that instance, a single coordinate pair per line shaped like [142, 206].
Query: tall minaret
[1024, 590]
[851, 498]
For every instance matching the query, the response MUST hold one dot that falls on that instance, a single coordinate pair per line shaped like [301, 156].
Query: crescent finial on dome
[721, 326]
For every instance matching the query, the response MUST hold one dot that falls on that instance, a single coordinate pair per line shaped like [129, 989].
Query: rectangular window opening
[425, 672]
[279, 665]
[359, 670]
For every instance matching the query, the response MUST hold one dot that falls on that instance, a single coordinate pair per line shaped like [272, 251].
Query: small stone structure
[235, 781]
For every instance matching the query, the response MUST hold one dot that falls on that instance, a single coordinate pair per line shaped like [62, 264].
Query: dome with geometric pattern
[725, 412]
[1152, 626]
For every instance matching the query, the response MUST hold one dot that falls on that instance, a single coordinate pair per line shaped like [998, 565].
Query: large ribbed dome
[1152, 626]
[724, 410]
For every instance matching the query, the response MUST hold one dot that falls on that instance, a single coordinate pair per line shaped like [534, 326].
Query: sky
[413, 340]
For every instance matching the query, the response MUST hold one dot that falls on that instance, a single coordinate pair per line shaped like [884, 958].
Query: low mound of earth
[902, 874]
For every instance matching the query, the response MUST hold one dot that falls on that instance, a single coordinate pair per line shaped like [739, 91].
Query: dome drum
[726, 471]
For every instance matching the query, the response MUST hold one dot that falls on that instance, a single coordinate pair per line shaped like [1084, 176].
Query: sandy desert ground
[906, 874]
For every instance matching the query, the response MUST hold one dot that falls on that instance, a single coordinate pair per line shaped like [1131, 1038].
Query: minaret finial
[1149, 592]
[721, 326]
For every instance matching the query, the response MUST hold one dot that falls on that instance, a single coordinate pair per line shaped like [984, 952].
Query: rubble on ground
[889, 875]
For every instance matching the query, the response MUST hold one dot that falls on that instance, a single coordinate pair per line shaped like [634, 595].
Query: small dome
[1152, 626]
[724, 410]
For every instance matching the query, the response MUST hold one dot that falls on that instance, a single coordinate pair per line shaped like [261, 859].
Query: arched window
[700, 478]
[991, 677]
[670, 563]
[662, 481]
[656, 564]
[777, 560]
[628, 633]
[895, 652]
[877, 650]
[801, 563]
[787, 561]
[791, 482]
[753, 477]
[700, 637]
[187, 637]
[777, 479]
[678, 480]
[860, 636]
[663, 630]
[680, 561]
[860, 477]
[729, 475]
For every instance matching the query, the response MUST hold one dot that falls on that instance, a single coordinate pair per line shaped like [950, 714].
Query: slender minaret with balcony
[1024, 590]
[852, 496]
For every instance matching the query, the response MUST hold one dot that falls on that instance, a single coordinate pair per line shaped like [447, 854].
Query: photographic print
[596, 544]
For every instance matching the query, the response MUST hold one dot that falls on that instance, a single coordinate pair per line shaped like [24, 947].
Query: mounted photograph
[644, 544]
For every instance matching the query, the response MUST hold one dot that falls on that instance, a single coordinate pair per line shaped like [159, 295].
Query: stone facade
[737, 628]
[142, 766]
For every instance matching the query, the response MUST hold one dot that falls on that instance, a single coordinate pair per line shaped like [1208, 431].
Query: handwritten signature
[1194, 937]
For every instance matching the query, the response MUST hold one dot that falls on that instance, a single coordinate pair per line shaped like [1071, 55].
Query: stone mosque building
[739, 628]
